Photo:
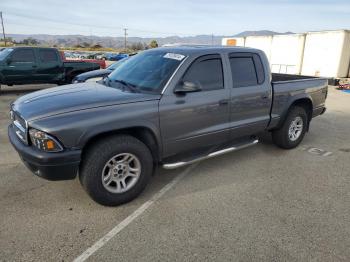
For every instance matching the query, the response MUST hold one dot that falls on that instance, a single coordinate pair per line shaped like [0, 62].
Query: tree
[29, 41]
[86, 44]
[153, 44]
[8, 39]
[137, 46]
[97, 46]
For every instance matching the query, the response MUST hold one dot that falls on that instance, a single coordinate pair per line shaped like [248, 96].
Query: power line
[89, 25]
[26, 25]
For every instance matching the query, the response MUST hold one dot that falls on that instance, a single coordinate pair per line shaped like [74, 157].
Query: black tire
[95, 159]
[281, 136]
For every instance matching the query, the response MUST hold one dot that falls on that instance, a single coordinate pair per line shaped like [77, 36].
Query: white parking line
[102, 241]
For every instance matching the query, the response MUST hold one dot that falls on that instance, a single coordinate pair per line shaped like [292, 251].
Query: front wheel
[116, 170]
[293, 129]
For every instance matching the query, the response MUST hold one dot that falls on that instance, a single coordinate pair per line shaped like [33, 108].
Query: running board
[213, 154]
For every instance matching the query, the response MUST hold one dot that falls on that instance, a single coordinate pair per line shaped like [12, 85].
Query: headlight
[43, 141]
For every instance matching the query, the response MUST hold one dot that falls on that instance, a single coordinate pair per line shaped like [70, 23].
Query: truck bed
[286, 77]
[288, 88]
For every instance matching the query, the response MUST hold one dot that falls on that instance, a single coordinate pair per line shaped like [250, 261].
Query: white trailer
[233, 41]
[327, 54]
[260, 42]
[287, 53]
[324, 53]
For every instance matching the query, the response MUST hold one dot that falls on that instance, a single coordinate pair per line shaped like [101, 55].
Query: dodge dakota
[165, 106]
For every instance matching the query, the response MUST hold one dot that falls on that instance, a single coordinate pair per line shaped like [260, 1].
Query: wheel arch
[304, 102]
[142, 133]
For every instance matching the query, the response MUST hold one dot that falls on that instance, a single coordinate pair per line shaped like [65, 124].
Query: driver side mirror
[8, 61]
[187, 87]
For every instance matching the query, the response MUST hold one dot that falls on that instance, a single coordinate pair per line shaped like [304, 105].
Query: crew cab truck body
[34, 65]
[167, 106]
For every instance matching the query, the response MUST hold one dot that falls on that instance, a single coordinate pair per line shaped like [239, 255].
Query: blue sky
[172, 17]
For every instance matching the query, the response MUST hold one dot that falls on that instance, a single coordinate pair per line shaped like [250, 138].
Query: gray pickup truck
[166, 106]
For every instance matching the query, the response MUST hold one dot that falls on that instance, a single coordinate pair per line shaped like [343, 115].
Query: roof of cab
[32, 47]
[202, 49]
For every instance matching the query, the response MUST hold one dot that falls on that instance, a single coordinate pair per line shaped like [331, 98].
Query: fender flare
[97, 133]
[303, 99]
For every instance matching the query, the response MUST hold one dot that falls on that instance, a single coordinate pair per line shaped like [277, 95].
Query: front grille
[20, 126]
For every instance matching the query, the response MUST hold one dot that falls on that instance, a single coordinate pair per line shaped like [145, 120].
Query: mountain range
[117, 42]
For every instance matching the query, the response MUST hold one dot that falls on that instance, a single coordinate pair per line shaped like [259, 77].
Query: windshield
[148, 71]
[117, 64]
[5, 52]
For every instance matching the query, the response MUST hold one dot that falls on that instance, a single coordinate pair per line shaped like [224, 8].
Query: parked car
[31, 65]
[107, 56]
[100, 56]
[114, 57]
[94, 55]
[99, 74]
[118, 57]
[68, 54]
[166, 106]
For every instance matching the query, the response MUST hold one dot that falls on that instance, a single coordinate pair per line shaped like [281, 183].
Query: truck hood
[68, 98]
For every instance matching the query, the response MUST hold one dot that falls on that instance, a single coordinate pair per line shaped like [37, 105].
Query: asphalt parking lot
[259, 204]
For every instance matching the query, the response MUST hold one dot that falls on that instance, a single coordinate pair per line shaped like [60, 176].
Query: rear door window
[23, 56]
[259, 68]
[207, 72]
[246, 70]
[47, 56]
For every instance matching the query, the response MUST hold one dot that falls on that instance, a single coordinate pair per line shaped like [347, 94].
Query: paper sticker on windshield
[174, 56]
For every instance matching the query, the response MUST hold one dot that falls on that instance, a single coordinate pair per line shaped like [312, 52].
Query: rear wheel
[116, 170]
[293, 129]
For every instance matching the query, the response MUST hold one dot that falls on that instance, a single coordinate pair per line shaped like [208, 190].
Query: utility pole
[3, 28]
[212, 39]
[90, 36]
[125, 35]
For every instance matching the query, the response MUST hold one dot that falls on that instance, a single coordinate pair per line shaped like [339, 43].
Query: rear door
[198, 119]
[251, 95]
[21, 67]
[51, 66]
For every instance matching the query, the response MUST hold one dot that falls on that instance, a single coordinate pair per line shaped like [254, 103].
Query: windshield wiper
[130, 86]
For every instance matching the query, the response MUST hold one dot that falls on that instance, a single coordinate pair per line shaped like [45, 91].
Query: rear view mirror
[186, 87]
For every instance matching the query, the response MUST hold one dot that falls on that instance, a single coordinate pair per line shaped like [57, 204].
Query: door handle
[34, 66]
[223, 102]
[265, 96]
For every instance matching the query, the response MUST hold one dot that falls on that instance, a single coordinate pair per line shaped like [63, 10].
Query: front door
[21, 67]
[196, 119]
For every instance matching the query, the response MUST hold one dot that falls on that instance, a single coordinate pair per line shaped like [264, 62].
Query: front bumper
[52, 166]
